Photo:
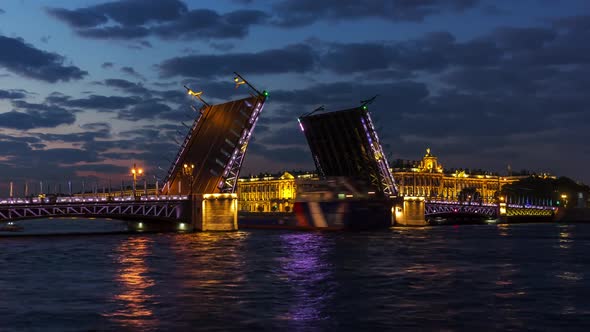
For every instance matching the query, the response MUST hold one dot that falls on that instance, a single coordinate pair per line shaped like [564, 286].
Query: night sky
[88, 87]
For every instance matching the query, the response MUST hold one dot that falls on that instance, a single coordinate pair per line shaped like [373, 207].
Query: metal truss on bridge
[161, 208]
[440, 207]
[514, 210]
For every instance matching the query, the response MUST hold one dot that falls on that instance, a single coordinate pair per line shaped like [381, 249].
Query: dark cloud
[36, 116]
[127, 86]
[434, 53]
[13, 147]
[115, 32]
[12, 94]
[349, 94]
[107, 65]
[494, 10]
[207, 24]
[167, 19]
[303, 12]
[143, 44]
[294, 59]
[124, 12]
[287, 155]
[131, 72]
[290, 134]
[76, 137]
[97, 126]
[516, 39]
[2, 11]
[97, 102]
[28, 61]
[145, 110]
[222, 46]
[78, 18]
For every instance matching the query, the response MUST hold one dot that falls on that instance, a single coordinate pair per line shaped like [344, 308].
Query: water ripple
[516, 277]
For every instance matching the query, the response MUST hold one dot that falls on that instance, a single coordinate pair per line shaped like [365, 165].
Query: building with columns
[428, 178]
[425, 178]
[268, 193]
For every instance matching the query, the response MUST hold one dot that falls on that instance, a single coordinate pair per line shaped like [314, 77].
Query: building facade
[269, 193]
[425, 178]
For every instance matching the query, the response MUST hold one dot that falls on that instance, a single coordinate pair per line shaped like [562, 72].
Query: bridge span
[144, 213]
[199, 188]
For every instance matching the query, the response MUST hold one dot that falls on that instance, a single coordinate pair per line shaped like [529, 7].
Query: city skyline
[93, 87]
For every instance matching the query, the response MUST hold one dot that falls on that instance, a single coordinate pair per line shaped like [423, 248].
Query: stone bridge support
[409, 211]
[214, 212]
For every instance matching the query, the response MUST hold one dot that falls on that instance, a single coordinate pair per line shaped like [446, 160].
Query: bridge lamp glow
[265, 93]
[182, 226]
[140, 225]
[238, 81]
[193, 93]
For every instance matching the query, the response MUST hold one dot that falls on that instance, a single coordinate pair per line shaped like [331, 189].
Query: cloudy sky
[89, 87]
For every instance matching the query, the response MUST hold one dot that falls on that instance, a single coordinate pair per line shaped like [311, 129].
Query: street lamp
[197, 95]
[564, 198]
[135, 172]
[187, 170]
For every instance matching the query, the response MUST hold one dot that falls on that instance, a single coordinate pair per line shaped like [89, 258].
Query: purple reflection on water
[308, 272]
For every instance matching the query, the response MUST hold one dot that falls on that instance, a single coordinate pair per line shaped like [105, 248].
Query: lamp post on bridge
[188, 170]
[135, 171]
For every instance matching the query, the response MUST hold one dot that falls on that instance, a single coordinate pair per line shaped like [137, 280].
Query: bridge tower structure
[208, 163]
[345, 144]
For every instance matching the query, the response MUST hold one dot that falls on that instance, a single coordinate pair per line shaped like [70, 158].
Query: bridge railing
[95, 199]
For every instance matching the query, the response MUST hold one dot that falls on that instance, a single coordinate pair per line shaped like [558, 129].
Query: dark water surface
[469, 278]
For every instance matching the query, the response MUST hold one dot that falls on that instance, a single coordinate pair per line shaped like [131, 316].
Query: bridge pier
[409, 211]
[214, 212]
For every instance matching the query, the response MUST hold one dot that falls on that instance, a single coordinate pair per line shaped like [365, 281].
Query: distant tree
[470, 194]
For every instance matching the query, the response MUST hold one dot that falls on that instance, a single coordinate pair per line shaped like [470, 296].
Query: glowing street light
[239, 81]
[197, 94]
[135, 172]
[187, 170]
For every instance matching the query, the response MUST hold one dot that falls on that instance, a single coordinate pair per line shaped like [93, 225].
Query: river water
[467, 278]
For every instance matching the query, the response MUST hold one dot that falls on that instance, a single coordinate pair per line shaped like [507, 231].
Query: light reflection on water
[308, 274]
[134, 303]
[515, 277]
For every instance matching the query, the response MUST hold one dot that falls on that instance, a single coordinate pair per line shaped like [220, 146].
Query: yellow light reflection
[133, 301]
[565, 240]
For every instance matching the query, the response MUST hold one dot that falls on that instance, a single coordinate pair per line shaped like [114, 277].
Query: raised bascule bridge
[344, 144]
[348, 154]
[199, 188]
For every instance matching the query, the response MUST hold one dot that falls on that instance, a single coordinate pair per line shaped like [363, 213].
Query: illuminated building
[271, 193]
[427, 178]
